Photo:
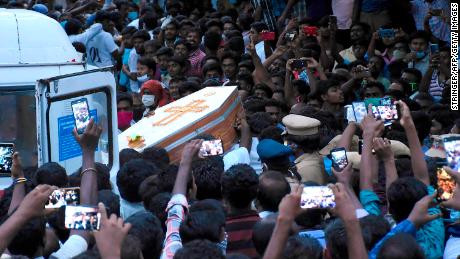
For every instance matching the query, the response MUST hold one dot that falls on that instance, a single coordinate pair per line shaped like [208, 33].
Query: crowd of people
[297, 65]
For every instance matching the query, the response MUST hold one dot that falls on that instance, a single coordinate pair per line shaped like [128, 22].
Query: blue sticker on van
[68, 146]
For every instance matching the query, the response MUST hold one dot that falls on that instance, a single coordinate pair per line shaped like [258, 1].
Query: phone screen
[350, 114]
[446, 185]
[298, 63]
[212, 148]
[385, 113]
[6, 157]
[360, 110]
[80, 111]
[339, 158]
[452, 147]
[318, 197]
[63, 197]
[82, 218]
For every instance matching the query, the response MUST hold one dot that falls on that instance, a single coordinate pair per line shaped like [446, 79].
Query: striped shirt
[267, 12]
[436, 86]
[177, 208]
[239, 230]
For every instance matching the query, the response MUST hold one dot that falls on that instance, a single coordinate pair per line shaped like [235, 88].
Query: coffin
[212, 110]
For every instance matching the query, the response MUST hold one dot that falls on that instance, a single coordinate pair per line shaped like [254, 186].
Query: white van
[40, 74]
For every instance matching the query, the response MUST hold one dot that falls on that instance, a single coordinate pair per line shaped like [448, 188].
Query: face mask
[143, 79]
[132, 16]
[124, 119]
[420, 54]
[148, 100]
[399, 54]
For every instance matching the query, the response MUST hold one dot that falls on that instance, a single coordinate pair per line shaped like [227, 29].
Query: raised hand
[383, 149]
[419, 215]
[371, 125]
[344, 207]
[406, 117]
[191, 150]
[289, 207]
[16, 169]
[113, 231]
[33, 204]
[344, 176]
[89, 139]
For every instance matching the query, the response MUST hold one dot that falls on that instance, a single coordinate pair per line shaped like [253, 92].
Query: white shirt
[260, 49]
[237, 156]
[132, 64]
[255, 161]
[86, 35]
[343, 9]
[452, 249]
[74, 246]
[99, 50]
[134, 23]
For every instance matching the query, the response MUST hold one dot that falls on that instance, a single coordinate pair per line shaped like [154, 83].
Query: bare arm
[260, 73]
[347, 136]
[288, 89]
[371, 47]
[185, 167]
[418, 163]
[19, 191]
[385, 153]
[370, 128]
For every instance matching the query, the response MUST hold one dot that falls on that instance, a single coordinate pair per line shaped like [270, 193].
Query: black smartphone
[6, 158]
[446, 185]
[81, 115]
[82, 218]
[339, 158]
[63, 197]
[299, 63]
[452, 147]
[317, 197]
[212, 148]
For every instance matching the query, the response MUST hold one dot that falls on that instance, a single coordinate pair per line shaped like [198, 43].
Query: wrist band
[90, 169]
[19, 180]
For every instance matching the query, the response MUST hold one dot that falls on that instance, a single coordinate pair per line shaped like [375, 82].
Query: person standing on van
[101, 49]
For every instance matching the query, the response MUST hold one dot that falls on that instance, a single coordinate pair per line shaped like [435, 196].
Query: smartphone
[290, 36]
[350, 113]
[360, 111]
[436, 12]
[310, 30]
[386, 33]
[434, 48]
[386, 101]
[63, 197]
[373, 101]
[267, 35]
[387, 113]
[212, 148]
[6, 157]
[81, 115]
[446, 185]
[339, 158]
[82, 218]
[452, 147]
[317, 197]
[299, 63]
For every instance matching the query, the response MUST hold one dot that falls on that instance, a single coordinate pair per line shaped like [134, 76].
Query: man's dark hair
[401, 245]
[150, 20]
[164, 51]
[253, 105]
[374, 228]
[208, 174]
[298, 247]
[199, 249]
[302, 87]
[259, 26]
[402, 196]
[418, 75]
[188, 86]
[229, 55]
[214, 22]
[247, 64]
[272, 132]
[128, 154]
[366, 27]
[52, 174]
[396, 68]
[202, 224]
[325, 85]
[261, 234]
[73, 26]
[131, 247]
[157, 206]
[141, 34]
[272, 188]
[156, 155]
[111, 202]
[148, 62]
[212, 40]
[236, 44]
[420, 35]
[245, 21]
[147, 228]
[212, 66]
[239, 185]
[103, 16]
[261, 86]
[308, 144]
[371, 85]
[259, 121]
[130, 177]
[124, 97]
[29, 238]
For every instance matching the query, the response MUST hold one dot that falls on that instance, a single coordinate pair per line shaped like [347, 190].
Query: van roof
[29, 37]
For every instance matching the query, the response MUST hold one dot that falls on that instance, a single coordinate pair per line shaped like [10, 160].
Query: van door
[55, 121]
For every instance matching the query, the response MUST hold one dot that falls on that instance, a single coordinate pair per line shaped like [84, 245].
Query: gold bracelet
[90, 169]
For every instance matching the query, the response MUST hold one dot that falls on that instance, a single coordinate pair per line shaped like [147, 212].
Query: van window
[18, 123]
[62, 145]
